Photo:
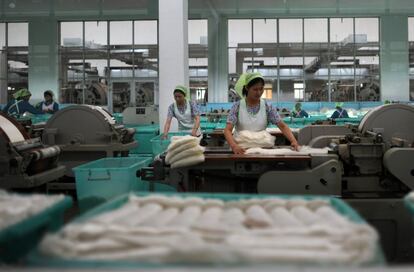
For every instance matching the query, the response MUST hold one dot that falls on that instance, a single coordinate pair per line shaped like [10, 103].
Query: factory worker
[185, 111]
[20, 104]
[339, 112]
[298, 112]
[48, 105]
[252, 112]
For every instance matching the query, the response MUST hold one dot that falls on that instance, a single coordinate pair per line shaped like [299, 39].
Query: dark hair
[251, 83]
[179, 91]
[48, 92]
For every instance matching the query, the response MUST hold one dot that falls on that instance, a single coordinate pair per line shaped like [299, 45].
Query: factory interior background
[113, 67]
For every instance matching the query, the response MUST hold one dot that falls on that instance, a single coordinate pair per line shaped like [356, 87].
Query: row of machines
[71, 137]
[369, 165]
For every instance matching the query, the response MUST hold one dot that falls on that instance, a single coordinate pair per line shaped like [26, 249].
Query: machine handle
[105, 176]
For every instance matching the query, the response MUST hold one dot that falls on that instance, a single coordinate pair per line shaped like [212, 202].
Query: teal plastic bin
[159, 145]
[17, 240]
[38, 259]
[39, 118]
[101, 180]
[409, 203]
[143, 135]
[208, 126]
[119, 118]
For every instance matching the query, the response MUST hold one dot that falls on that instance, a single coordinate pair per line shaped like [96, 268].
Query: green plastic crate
[103, 179]
[409, 203]
[39, 118]
[159, 145]
[40, 260]
[208, 125]
[143, 135]
[17, 240]
[119, 118]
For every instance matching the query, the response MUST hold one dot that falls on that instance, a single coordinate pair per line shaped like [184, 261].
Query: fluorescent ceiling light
[342, 63]
[372, 48]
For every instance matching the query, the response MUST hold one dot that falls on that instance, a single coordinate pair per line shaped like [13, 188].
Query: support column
[394, 58]
[43, 58]
[217, 59]
[173, 52]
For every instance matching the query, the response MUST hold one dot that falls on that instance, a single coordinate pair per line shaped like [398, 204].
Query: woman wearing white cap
[252, 112]
[185, 111]
[48, 105]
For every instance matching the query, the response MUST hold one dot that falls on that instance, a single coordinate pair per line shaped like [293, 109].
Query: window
[335, 59]
[13, 58]
[298, 91]
[113, 63]
[198, 59]
[252, 45]
[411, 55]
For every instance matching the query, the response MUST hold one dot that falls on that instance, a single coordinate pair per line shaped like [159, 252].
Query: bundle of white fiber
[248, 139]
[184, 151]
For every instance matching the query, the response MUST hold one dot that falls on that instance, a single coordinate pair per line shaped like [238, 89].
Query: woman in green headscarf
[20, 104]
[298, 112]
[252, 112]
[185, 111]
[339, 112]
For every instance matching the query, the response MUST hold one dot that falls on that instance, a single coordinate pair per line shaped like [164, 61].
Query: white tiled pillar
[43, 57]
[173, 52]
[394, 58]
[217, 59]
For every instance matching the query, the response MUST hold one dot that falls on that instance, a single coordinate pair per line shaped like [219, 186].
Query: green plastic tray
[410, 205]
[101, 180]
[38, 259]
[143, 135]
[19, 239]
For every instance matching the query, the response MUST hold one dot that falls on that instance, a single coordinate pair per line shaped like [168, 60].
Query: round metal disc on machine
[81, 124]
[393, 120]
[13, 131]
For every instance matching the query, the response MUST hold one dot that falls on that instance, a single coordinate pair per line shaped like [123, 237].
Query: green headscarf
[21, 93]
[182, 89]
[339, 105]
[298, 107]
[244, 80]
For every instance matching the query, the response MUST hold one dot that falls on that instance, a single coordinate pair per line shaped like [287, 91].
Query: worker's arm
[27, 107]
[289, 135]
[55, 107]
[196, 126]
[230, 140]
[6, 108]
[166, 128]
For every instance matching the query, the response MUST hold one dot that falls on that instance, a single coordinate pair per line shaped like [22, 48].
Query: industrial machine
[85, 133]
[370, 165]
[141, 115]
[25, 162]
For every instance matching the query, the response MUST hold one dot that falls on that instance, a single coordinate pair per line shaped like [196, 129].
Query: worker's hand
[237, 149]
[194, 132]
[295, 146]
[164, 136]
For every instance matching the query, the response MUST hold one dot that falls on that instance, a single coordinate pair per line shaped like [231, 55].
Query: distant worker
[298, 112]
[20, 104]
[339, 112]
[185, 111]
[253, 113]
[48, 105]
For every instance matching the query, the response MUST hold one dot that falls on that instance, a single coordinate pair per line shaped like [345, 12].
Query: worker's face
[255, 91]
[26, 98]
[48, 98]
[179, 98]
